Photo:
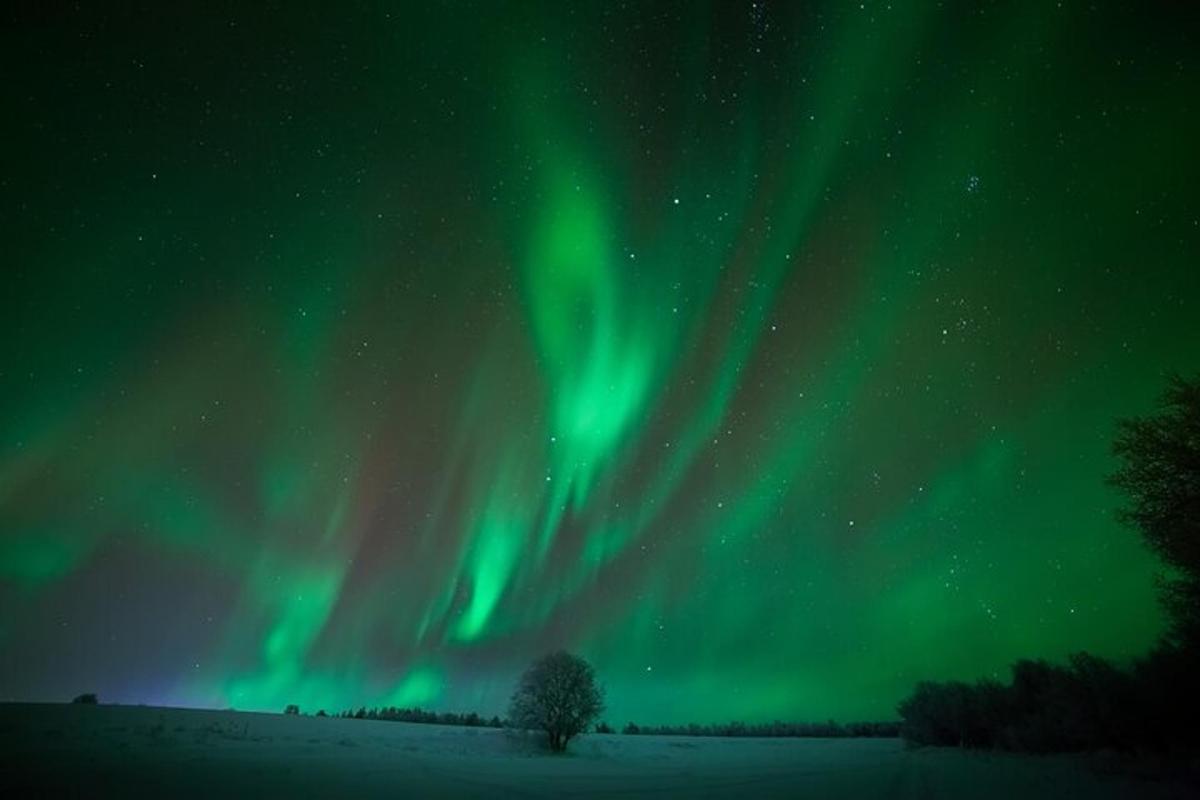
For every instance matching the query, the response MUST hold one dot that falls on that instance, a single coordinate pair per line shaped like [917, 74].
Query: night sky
[765, 354]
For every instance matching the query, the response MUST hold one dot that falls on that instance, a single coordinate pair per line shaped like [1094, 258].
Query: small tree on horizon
[558, 694]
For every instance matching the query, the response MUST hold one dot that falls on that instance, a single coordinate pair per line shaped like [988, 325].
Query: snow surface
[124, 751]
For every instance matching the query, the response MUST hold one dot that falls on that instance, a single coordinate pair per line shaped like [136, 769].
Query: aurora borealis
[766, 354]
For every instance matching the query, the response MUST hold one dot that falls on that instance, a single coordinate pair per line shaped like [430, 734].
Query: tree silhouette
[1160, 475]
[559, 695]
[1091, 703]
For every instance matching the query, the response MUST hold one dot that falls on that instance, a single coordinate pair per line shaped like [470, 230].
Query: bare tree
[559, 695]
[1160, 475]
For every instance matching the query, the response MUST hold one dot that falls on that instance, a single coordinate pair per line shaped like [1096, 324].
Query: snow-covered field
[128, 751]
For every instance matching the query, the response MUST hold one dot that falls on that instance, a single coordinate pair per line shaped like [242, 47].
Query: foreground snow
[104, 751]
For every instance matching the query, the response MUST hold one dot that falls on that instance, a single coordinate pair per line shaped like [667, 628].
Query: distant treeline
[1090, 704]
[393, 714]
[767, 729]
[828, 729]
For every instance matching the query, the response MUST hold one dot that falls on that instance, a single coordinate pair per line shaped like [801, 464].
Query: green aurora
[766, 354]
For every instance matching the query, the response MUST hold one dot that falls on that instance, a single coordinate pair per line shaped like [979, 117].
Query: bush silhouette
[1088, 704]
[292, 709]
[88, 699]
[558, 694]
